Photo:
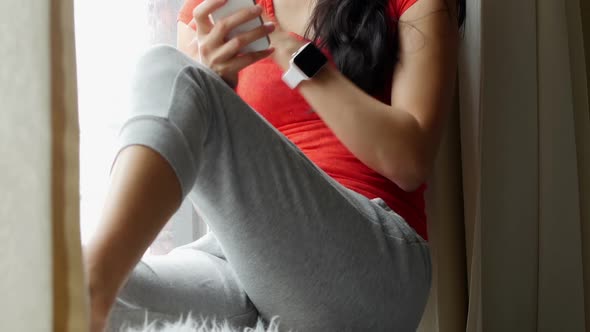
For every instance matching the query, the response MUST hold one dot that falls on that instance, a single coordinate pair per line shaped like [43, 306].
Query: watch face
[310, 60]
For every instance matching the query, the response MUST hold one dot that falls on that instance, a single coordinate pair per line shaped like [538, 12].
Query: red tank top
[260, 85]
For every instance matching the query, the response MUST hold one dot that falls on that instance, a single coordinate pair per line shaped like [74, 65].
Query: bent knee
[159, 54]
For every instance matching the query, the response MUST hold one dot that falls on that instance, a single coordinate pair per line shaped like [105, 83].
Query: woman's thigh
[305, 248]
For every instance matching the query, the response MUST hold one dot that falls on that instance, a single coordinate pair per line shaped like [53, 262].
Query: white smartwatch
[304, 64]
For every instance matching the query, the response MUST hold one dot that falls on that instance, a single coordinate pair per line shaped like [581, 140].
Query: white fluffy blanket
[191, 325]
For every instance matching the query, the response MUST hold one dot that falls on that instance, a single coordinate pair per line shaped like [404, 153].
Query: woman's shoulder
[398, 7]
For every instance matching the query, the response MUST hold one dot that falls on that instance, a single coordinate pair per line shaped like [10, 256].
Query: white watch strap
[293, 77]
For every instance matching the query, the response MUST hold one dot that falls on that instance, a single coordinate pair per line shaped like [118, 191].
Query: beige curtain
[583, 150]
[69, 292]
[41, 283]
[525, 154]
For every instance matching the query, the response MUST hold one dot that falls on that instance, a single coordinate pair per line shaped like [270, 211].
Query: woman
[314, 194]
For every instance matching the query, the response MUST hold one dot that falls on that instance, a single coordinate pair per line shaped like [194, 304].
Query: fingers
[222, 28]
[240, 62]
[201, 14]
[215, 50]
[233, 46]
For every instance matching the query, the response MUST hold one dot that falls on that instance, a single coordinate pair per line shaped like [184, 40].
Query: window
[110, 37]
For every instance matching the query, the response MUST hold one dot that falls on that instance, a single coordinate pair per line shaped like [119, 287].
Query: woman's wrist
[284, 55]
[328, 73]
[285, 44]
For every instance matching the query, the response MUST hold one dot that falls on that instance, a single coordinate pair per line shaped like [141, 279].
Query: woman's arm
[398, 141]
[144, 193]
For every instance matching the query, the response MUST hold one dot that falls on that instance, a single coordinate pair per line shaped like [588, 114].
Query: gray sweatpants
[287, 239]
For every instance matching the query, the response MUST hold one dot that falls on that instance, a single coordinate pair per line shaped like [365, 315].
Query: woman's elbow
[409, 174]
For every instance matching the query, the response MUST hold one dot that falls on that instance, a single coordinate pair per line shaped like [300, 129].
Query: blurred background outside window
[111, 35]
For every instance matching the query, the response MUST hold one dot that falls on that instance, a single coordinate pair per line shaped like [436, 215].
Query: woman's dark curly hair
[361, 38]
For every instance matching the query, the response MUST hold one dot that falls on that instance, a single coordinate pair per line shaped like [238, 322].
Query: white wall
[25, 138]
